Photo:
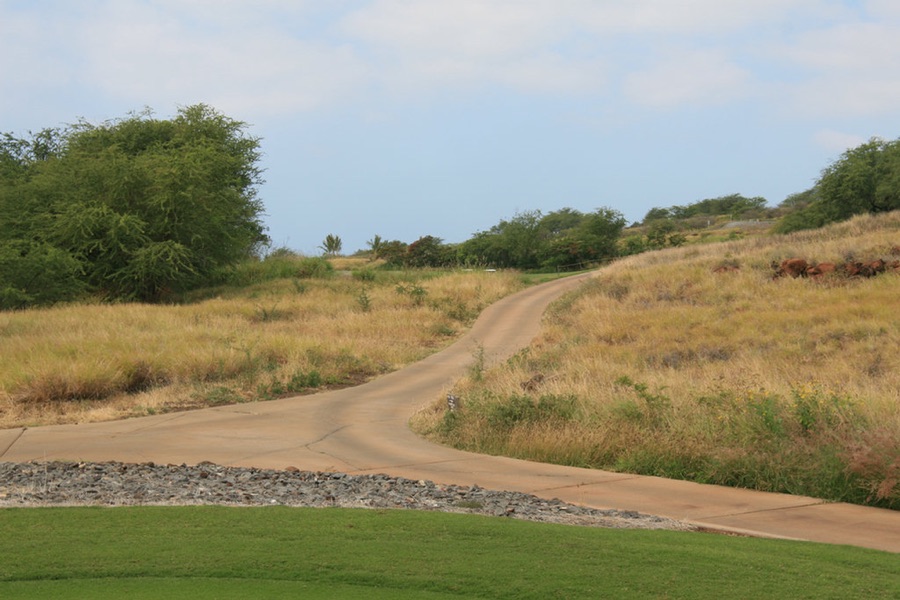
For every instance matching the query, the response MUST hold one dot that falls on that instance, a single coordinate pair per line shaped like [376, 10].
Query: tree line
[864, 179]
[564, 239]
[140, 208]
[734, 205]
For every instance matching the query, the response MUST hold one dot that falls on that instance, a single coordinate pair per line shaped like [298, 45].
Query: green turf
[153, 588]
[217, 552]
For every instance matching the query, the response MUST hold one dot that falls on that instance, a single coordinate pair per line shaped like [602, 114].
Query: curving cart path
[364, 430]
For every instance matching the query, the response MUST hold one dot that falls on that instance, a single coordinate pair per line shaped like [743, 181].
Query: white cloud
[142, 53]
[227, 14]
[287, 56]
[462, 28]
[885, 9]
[560, 45]
[689, 17]
[850, 69]
[30, 52]
[417, 45]
[688, 77]
[849, 95]
[837, 141]
[554, 73]
[486, 26]
[848, 47]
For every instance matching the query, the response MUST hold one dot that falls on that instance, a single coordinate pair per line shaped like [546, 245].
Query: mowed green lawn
[279, 552]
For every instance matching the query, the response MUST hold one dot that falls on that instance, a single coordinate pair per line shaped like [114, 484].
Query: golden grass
[352, 263]
[97, 362]
[679, 371]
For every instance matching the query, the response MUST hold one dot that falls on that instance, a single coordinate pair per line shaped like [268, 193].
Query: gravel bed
[124, 484]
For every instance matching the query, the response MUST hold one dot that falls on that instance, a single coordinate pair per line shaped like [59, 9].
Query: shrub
[656, 406]
[33, 274]
[367, 275]
[414, 291]
[875, 461]
[516, 410]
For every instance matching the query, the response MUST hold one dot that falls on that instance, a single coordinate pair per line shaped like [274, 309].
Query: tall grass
[278, 337]
[661, 366]
[280, 265]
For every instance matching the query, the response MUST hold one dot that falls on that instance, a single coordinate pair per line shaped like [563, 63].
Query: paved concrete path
[364, 430]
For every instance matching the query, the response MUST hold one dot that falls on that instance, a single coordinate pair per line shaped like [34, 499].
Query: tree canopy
[564, 239]
[734, 205]
[128, 209]
[865, 179]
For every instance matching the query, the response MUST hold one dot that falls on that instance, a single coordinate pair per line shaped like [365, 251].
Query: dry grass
[98, 362]
[352, 263]
[661, 366]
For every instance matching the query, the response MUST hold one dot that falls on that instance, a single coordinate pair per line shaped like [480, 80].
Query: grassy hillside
[663, 366]
[290, 335]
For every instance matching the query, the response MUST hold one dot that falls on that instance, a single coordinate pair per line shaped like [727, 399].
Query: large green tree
[565, 238]
[144, 206]
[514, 243]
[428, 251]
[865, 179]
[593, 239]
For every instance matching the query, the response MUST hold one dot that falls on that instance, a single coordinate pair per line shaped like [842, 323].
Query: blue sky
[405, 118]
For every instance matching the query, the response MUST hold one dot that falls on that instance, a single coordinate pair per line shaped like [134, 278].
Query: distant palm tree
[376, 245]
[332, 245]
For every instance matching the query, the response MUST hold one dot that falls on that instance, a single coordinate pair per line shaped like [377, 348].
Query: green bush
[301, 381]
[517, 410]
[313, 268]
[275, 266]
[817, 410]
[656, 406]
[367, 275]
[34, 274]
[414, 291]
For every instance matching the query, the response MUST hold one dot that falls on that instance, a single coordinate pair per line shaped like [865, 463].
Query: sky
[406, 118]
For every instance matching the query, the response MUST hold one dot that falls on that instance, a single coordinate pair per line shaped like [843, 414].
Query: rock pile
[799, 267]
[122, 484]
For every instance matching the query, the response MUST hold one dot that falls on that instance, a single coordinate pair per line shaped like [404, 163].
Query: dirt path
[364, 430]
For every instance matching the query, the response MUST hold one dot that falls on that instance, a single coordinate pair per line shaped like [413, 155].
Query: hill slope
[668, 365]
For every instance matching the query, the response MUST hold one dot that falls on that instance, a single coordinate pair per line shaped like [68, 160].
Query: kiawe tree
[565, 238]
[142, 206]
[865, 179]
[511, 243]
[594, 238]
[427, 251]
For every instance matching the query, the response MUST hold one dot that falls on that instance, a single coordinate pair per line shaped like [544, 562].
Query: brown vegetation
[726, 269]
[662, 366]
[85, 362]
